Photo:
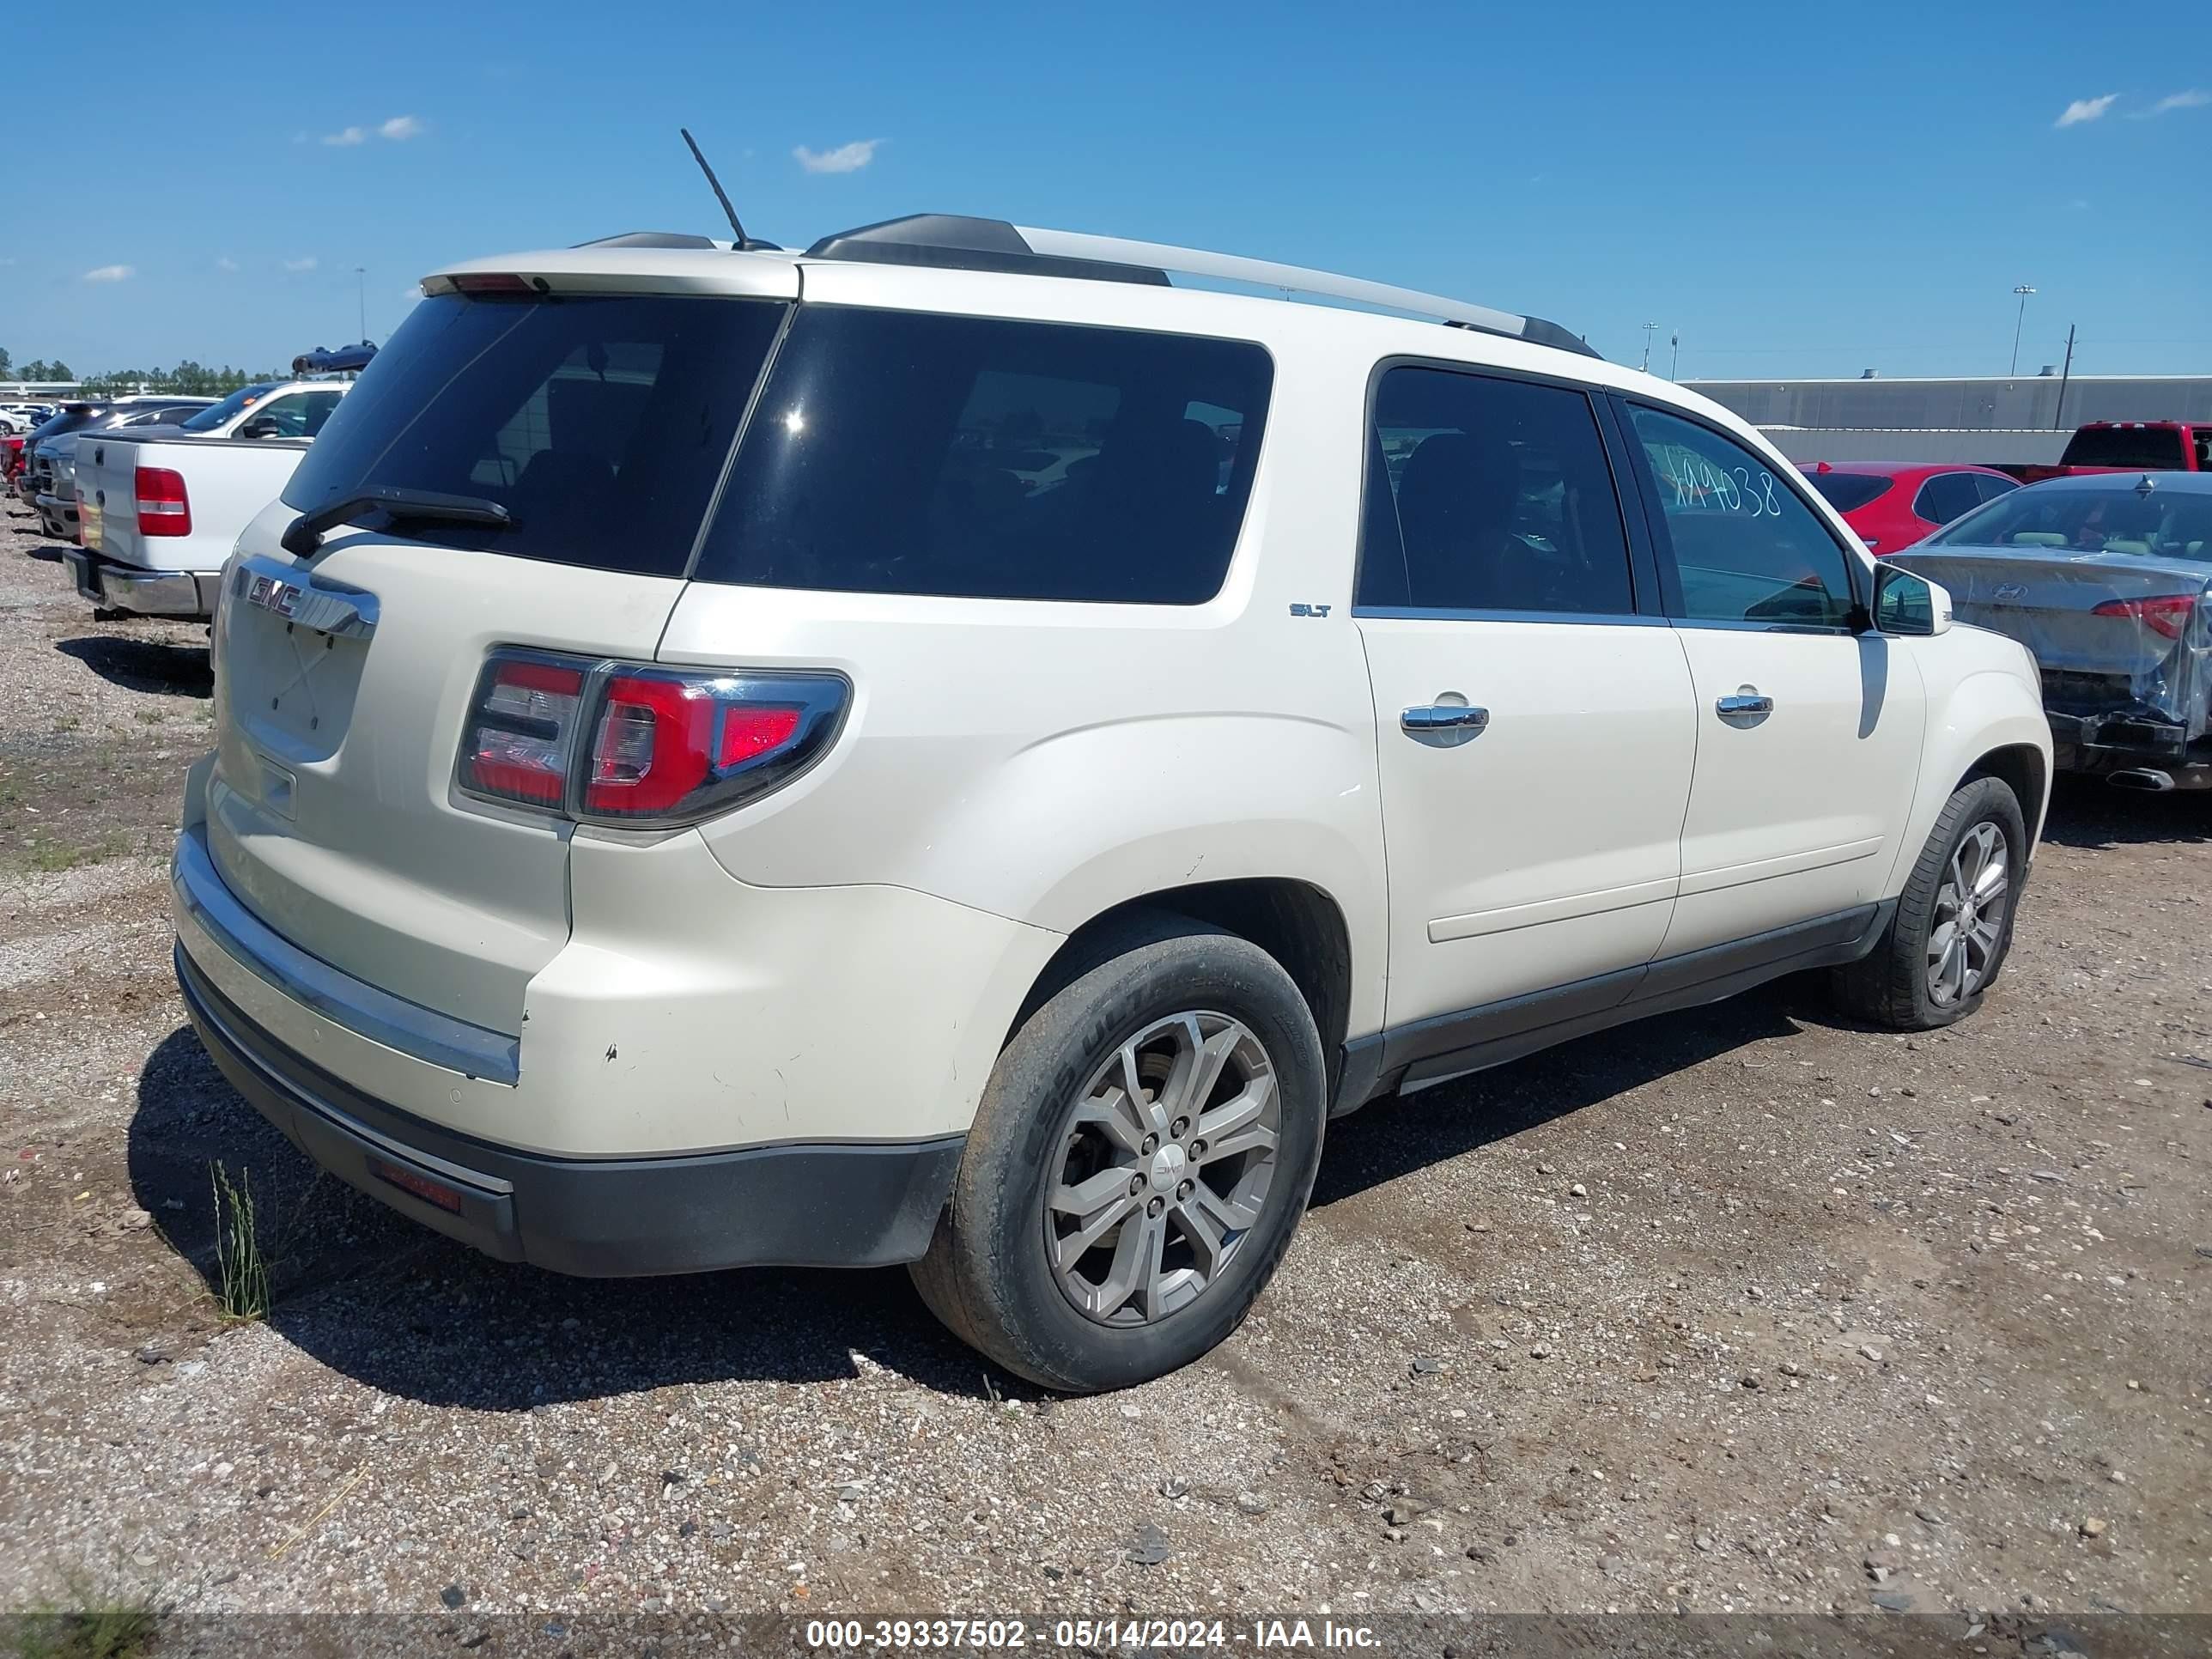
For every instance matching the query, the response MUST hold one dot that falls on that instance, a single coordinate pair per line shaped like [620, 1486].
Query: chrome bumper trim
[210, 917]
[156, 592]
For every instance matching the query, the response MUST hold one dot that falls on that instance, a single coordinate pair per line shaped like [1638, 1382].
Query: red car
[1893, 507]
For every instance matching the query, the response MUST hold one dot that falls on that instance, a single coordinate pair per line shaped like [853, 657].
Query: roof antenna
[746, 244]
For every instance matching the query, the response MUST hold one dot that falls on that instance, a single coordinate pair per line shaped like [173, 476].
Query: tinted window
[1748, 549]
[215, 414]
[1994, 484]
[72, 420]
[1847, 492]
[599, 423]
[2152, 448]
[898, 453]
[1489, 494]
[1947, 495]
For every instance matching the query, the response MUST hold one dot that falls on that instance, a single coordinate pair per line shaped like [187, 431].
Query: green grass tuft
[241, 1274]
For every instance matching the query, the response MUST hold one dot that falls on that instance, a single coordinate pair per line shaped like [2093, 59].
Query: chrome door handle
[1745, 703]
[1443, 717]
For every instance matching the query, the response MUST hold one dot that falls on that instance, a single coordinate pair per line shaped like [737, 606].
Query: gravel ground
[1742, 1309]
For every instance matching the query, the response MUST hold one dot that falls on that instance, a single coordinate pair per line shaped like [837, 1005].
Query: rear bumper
[186, 593]
[855, 1205]
[2103, 743]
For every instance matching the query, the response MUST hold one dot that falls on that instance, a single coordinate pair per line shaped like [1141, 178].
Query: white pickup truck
[160, 510]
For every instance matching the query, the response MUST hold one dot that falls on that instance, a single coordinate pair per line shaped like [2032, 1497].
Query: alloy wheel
[1970, 916]
[1168, 1159]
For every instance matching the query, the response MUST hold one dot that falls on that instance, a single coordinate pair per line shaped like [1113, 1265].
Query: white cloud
[349, 136]
[2086, 109]
[226, 263]
[846, 158]
[111, 273]
[308, 264]
[401, 126]
[2195, 98]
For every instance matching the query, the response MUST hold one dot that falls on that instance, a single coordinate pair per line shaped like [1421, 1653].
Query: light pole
[361, 286]
[1674, 364]
[2023, 290]
[1650, 329]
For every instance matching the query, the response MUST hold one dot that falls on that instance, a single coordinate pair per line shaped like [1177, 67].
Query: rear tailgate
[2110, 631]
[599, 424]
[331, 812]
[225, 483]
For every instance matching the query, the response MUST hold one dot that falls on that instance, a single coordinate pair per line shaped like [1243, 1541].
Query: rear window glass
[2118, 446]
[599, 423]
[69, 421]
[2080, 518]
[901, 453]
[1847, 492]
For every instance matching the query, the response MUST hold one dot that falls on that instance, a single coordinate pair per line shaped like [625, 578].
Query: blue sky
[1796, 191]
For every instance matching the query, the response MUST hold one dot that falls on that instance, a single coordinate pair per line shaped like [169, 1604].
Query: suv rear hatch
[592, 401]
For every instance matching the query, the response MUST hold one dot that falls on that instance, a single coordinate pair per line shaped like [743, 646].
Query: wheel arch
[1300, 925]
[2023, 768]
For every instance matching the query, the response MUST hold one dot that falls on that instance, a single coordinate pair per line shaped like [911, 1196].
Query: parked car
[16, 419]
[53, 450]
[160, 506]
[271, 409]
[11, 458]
[2104, 578]
[646, 836]
[1893, 507]
[2130, 447]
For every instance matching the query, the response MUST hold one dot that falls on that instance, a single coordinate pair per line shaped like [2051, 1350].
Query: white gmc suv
[948, 749]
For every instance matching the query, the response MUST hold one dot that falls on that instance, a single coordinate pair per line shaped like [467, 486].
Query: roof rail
[1265, 273]
[963, 243]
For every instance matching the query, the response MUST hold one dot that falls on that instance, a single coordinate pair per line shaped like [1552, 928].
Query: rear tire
[1139, 1267]
[1942, 951]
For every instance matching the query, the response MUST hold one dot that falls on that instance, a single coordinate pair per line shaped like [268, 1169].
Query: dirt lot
[1740, 1310]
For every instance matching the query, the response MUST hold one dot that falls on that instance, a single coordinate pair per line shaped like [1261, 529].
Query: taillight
[164, 509]
[522, 729]
[2168, 614]
[488, 281]
[667, 746]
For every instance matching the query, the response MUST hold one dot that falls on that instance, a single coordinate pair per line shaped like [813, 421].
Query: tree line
[188, 379]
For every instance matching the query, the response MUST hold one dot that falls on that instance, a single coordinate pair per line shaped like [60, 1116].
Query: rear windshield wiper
[304, 533]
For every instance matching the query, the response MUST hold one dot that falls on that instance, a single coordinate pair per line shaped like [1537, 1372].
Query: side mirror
[259, 427]
[1907, 604]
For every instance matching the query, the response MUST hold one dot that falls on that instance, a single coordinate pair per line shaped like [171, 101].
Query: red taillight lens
[164, 508]
[486, 282]
[2168, 614]
[667, 746]
[522, 729]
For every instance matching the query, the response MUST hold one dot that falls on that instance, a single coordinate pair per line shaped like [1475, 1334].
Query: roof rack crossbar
[1265, 273]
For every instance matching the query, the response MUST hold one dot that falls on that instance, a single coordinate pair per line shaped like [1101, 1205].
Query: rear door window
[1489, 494]
[1993, 484]
[1747, 548]
[600, 423]
[1946, 497]
[979, 458]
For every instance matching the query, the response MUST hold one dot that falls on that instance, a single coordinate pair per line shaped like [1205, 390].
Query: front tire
[1953, 929]
[1141, 1156]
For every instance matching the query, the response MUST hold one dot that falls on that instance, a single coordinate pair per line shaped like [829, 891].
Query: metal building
[1993, 421]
